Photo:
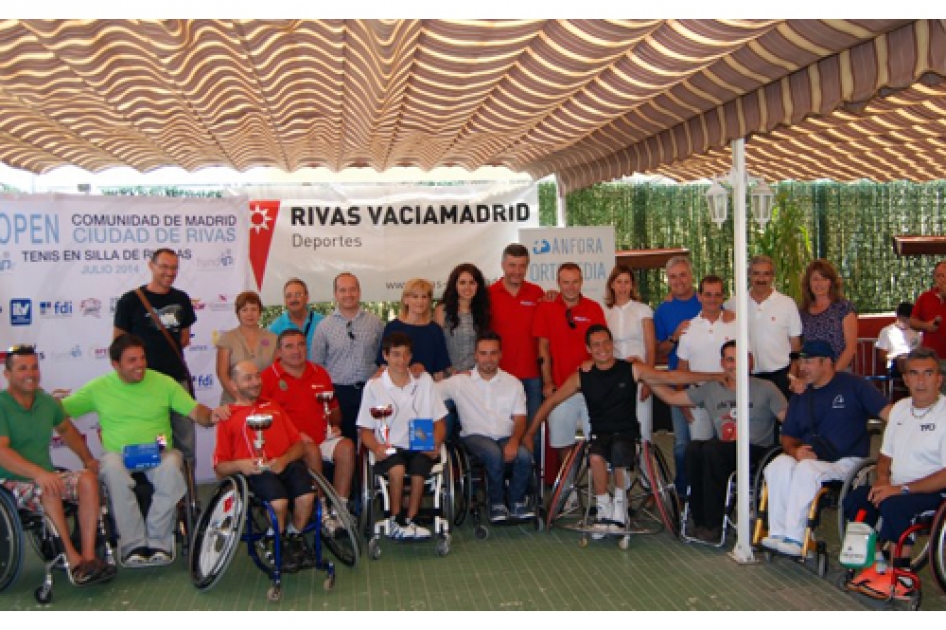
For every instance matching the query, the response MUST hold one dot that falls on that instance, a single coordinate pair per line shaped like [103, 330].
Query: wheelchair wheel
[11, 540]
[567, 483]
[463, 485]
[345, 541]
[449, 489]
[218, 533]
[863, 475]
[758, 479]
[938, 546]
[665, 493]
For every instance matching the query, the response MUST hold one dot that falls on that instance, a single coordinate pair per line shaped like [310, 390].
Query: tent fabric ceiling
[588, 100]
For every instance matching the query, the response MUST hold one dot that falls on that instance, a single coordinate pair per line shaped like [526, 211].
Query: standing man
[492, 406]
[671, 319]
[929, 312]
[297, 315]
[346, 343]
[28, 416]
[774, 325]
[134, 404]
[165, 336]
[560, 326]
[824, 438]
[513, 303]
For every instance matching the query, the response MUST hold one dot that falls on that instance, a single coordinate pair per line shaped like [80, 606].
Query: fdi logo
[55, 309]
[21, 312]
[203, 382]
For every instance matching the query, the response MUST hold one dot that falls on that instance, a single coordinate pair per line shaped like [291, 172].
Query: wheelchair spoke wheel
[344, 540]
[665, 493]
[938, 546]
[366, 515]
[11, 541]
[449, 502]
[863, 475]
[218, 533]
[463, 485]
[566, 490]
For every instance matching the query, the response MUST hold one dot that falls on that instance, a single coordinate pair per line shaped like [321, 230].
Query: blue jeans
[681, 437]
[533, 387]
[490, 453]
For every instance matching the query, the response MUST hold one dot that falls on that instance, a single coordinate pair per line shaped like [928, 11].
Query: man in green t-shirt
[28, 416]
[134, 406]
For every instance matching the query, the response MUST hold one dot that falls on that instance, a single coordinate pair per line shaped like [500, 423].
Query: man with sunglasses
[560, 327]
[346, 344]
[28, 416]
[298, 315]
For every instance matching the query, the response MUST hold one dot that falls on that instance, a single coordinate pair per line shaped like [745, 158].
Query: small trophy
[325, 397]
[381, 412]
[259, 422]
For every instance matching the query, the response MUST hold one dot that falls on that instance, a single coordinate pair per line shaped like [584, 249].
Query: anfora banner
[383, 233]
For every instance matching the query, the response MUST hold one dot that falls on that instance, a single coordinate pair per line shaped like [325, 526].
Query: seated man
[610, 387]
[28, 416]
[134, 406]
[410, 397]
[277, 473]
[293, 383]
[911, 466]
[710, 462]
[825, 438]
[492, 409]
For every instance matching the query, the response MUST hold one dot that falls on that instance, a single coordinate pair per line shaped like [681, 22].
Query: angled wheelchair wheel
[449, 495]
[567, 485]
[218, 533]
[665, 493]
[758, 478]
[344, 542]
[11, 540]
[463, 485]
[863, 475]
[938, 546]
[369, 498]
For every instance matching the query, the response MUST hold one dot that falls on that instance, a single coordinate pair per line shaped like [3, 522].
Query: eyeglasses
[570, 318]
[299, 294]
[351, 335]
[22, 349]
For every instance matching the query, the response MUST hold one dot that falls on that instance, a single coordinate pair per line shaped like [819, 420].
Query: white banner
[591, 248]
[66, 259]
[383, 233]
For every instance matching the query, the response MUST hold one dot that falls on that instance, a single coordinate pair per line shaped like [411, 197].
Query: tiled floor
[517, 568]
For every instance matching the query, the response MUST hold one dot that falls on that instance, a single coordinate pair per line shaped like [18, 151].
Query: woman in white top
[632, 326]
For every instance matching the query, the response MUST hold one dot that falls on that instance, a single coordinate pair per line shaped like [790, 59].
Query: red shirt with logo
[512, 316]
[235, 439]
[297, 396]
[566, 344]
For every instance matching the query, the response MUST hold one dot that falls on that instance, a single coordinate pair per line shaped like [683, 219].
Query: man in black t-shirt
[176, 312]
[610, 389]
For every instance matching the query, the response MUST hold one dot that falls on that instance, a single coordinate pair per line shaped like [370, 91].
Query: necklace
[926, 411]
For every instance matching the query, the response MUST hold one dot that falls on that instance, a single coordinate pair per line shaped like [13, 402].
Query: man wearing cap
[824, 438]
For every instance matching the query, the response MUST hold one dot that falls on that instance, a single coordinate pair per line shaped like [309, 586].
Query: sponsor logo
[198, 304]
[198, 348]
[21, 312]
[223, 302]
[91, 307]
[57, 309]
[203, 382]
[6, 263]
[224, 260]
[72, 354]
[99, 353]
[112, 305]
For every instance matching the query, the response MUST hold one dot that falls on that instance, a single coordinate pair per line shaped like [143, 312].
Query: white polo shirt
[700, 344]
[417, 399]
[772, 323]
[485, 407]
[915, 440]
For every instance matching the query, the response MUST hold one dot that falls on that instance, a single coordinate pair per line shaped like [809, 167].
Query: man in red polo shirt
[513, 303]
[294, 383]
[275, 473]
[930, 311]
[560, 327]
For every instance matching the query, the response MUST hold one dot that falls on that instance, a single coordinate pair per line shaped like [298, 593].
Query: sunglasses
[570, 318]
[351, 335]
[22, 349]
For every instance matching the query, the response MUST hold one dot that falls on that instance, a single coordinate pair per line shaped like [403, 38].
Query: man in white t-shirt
[700, 345]
[896, 340]
[911, 466]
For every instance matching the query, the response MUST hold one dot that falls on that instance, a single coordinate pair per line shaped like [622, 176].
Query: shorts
[28, 494]
[564, 419]
[416, 463]
[327, 447]
[618, 449]
[291, 483]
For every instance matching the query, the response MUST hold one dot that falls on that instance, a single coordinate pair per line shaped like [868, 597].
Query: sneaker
[600, 529]
[498, 513]
[521, 511]
[708, 534]
[619, 513]
[772, 542]
[789, 547]
[138, 557]
[291, 554]
[159, 557]
[418, 532]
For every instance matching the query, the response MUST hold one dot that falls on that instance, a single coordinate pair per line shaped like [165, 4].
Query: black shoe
[290, 553]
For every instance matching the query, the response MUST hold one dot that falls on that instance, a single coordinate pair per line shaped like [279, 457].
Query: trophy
[381, 412]
[325, 397]
[259, 422]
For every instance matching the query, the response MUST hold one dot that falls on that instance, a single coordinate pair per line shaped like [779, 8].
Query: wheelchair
[234, 515]
[472, 493]
[376, 502]
[924, 537]
[651, 498]
[45, 539]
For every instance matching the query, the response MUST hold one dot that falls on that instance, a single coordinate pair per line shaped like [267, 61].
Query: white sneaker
[600, 529]
[772, 542]
[416, 531]
[790, 548]
[619, 514]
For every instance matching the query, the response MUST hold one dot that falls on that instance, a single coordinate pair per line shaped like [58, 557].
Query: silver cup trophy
[382, 412]
[325, 398]
[259, 422]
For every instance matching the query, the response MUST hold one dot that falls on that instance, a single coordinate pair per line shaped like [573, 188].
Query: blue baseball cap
[817, 348]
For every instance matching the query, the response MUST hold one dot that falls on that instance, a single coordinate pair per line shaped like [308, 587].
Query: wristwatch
[904, 489]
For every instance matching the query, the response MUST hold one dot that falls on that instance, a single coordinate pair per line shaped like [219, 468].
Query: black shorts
[416, 463]
[291, 483]
[618, 449]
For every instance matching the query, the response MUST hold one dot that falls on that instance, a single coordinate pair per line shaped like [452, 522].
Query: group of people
[489, 365]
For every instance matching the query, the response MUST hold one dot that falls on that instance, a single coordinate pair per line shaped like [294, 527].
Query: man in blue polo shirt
[297, 315]
[824, 438]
